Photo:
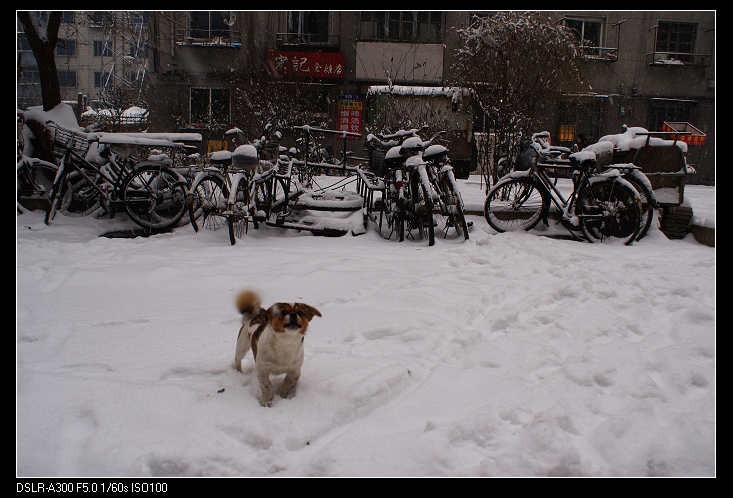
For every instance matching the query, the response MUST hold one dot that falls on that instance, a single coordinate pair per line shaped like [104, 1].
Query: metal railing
[306, 39]
[607, 54]
[199, 38]
[677, 59]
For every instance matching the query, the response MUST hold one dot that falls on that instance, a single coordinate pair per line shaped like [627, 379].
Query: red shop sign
[306, 64]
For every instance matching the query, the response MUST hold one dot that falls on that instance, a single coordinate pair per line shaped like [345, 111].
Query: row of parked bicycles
[411, 194]
[607, 200]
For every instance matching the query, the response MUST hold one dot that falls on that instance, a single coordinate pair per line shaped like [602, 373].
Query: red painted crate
[696, 136]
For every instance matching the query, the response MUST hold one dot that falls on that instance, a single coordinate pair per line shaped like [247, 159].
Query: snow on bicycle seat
[411, 144]
[221, 157]
[393, 153]
[434, 152]
[245, 156]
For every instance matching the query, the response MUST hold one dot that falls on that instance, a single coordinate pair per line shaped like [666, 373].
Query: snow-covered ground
[510, 354]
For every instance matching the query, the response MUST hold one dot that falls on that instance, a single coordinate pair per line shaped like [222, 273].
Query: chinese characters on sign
[306, 64]
[350, 109]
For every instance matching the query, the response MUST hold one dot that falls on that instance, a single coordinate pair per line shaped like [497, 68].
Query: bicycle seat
[393, 158]
[221, 157]
[245, 156]
[411, 145]
[435, 153]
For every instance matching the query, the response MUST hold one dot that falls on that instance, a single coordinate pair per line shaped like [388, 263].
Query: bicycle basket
[65, 139]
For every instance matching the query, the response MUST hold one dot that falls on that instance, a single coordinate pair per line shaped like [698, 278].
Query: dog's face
[291, 316]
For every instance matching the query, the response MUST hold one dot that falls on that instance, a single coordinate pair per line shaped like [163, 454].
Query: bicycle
[236, 194]
[408, 198]
[440, 172]
[601, 205]
[152, 194]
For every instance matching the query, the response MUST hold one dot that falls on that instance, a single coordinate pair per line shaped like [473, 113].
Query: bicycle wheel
[454, 205]
[426, 217]
[34, 183]
[154, 197]
[237, 217]
[647, 206]
[609, 208]
[209, 199]
[79, 196]
[514, 204]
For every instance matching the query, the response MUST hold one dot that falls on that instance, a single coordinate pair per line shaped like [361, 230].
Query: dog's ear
[308, 311]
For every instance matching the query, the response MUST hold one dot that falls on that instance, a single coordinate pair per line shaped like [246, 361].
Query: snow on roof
[452, 92]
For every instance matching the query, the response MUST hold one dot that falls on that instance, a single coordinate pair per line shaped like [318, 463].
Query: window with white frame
[309, 26]
[209, 25]
[589, 34]
[675, 41]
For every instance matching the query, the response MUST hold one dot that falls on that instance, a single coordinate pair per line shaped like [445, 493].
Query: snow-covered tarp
[635, 137]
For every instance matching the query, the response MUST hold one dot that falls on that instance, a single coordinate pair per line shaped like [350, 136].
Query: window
[102, 49]
[567, 133]
[138, 50]
[100, 19]
[139, 17]
[588, 33]
[65, 47]
[661, 110]
[29, 77]
[401, 26]
[101, 79]
[309, 26]
[67, 79]
[67, 17]
[209, 25]
[675, 41]
[209, 106]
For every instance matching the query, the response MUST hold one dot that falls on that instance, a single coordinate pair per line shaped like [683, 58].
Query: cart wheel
[675, 222]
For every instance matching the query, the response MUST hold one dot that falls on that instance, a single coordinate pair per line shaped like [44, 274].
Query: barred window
[677, 39]
[401, 26]
[65, 47]
[67, 79]
[207, 25]
[102, 49]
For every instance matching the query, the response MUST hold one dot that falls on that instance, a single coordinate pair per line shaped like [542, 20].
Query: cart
[662, 156]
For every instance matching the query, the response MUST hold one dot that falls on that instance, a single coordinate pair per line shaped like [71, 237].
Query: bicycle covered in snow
[601, 206]
[241, 188]
[418, 177]
[152, 194]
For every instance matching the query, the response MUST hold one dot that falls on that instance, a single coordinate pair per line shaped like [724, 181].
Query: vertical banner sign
[350, 113]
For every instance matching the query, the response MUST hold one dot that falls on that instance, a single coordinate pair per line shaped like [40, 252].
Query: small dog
[275, 336]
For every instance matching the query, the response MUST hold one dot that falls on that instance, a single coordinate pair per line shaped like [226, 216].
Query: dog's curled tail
[247, 301]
